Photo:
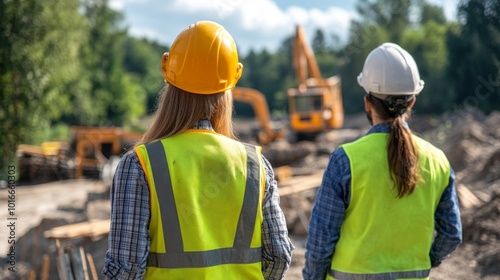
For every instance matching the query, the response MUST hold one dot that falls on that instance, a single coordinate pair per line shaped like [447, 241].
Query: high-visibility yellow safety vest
[206, 195]
[382, 236]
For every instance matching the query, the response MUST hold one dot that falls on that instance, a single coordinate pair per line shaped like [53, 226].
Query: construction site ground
[469, 139]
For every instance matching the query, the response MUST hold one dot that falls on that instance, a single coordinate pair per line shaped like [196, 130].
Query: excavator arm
[258, 102]
[304, 60]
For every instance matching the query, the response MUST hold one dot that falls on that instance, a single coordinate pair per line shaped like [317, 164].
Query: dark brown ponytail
[401, 152]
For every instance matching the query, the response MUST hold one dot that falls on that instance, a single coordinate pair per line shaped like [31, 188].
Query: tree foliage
[114, 96]
[474, 46]
[391, 15]
[39, 47]
[72, 62]
[142, 63]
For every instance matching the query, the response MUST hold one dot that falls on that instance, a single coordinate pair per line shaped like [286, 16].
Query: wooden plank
[92, 267]
[84, 264]
[30, 150]
[467, 198]
[85, 229]
[283, 173]
[32, 275]
[45, 267]
[300, 184]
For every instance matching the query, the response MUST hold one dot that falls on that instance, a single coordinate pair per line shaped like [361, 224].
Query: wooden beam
[45, 267]
[92, 267]
[86, 229]
[300, 183]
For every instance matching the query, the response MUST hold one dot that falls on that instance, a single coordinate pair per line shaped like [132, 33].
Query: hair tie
[397, 105]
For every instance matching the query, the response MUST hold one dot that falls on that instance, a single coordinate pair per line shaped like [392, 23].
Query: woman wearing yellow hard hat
[189, 201]
[384, 196]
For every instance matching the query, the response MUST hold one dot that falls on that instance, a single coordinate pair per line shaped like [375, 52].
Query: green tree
[39, 47]
[392, 15]
[418, 27]
[319, 42]
[428, 47]
[380, 21]
[114, 97]
[429, 12]
[474, 48]
[270, 73]
[324, 54]
[142, 59]
[363, 38]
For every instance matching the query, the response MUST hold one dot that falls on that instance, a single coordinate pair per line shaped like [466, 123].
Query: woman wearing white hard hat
[384, 196]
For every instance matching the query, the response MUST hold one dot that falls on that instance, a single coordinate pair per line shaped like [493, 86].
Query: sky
[254, 24]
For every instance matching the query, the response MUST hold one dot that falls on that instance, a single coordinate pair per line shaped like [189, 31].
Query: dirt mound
[463, 144]
[468, 138]
[470, 141]
[482, 229]
[32, 246]
[489, 171]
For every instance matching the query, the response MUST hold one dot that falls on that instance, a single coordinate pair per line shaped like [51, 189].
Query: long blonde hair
[178, 110]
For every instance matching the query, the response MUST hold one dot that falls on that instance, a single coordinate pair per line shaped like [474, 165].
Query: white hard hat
[390, 70]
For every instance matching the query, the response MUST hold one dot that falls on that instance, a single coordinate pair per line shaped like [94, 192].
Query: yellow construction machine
[267, 133]
[93, 151]
[316, 104]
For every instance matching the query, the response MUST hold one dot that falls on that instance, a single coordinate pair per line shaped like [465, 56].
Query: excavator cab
[306, 109]
[316, 108]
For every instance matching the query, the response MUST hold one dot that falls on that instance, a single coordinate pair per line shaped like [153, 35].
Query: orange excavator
[89, 150]
[257, 100]
[316, 104]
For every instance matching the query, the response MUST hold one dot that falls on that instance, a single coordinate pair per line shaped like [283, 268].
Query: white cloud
[449, 7]
[193, 6]
[120, 4]
[332, 19]
[298, 15]
[254, 24]
[265, 16]
[145, 33]
[261, 15]
[117, 4]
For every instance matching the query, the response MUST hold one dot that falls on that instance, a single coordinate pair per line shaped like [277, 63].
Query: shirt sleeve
[128, 237]
[327, 216]
[447, 224]
[276, 246]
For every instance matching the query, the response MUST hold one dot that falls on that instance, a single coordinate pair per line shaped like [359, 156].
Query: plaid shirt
[333, 199]
[130, 212]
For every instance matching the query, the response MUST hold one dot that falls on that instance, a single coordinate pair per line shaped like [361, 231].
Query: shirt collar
[202, 124]
[383, 128]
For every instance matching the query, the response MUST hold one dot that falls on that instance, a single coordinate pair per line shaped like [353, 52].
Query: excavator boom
[304, 60]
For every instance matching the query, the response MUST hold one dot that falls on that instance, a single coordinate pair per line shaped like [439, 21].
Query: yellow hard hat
[203, 59]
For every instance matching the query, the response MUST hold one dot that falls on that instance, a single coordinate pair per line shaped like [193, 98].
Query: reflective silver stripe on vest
[176, 257]
[380, 276]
